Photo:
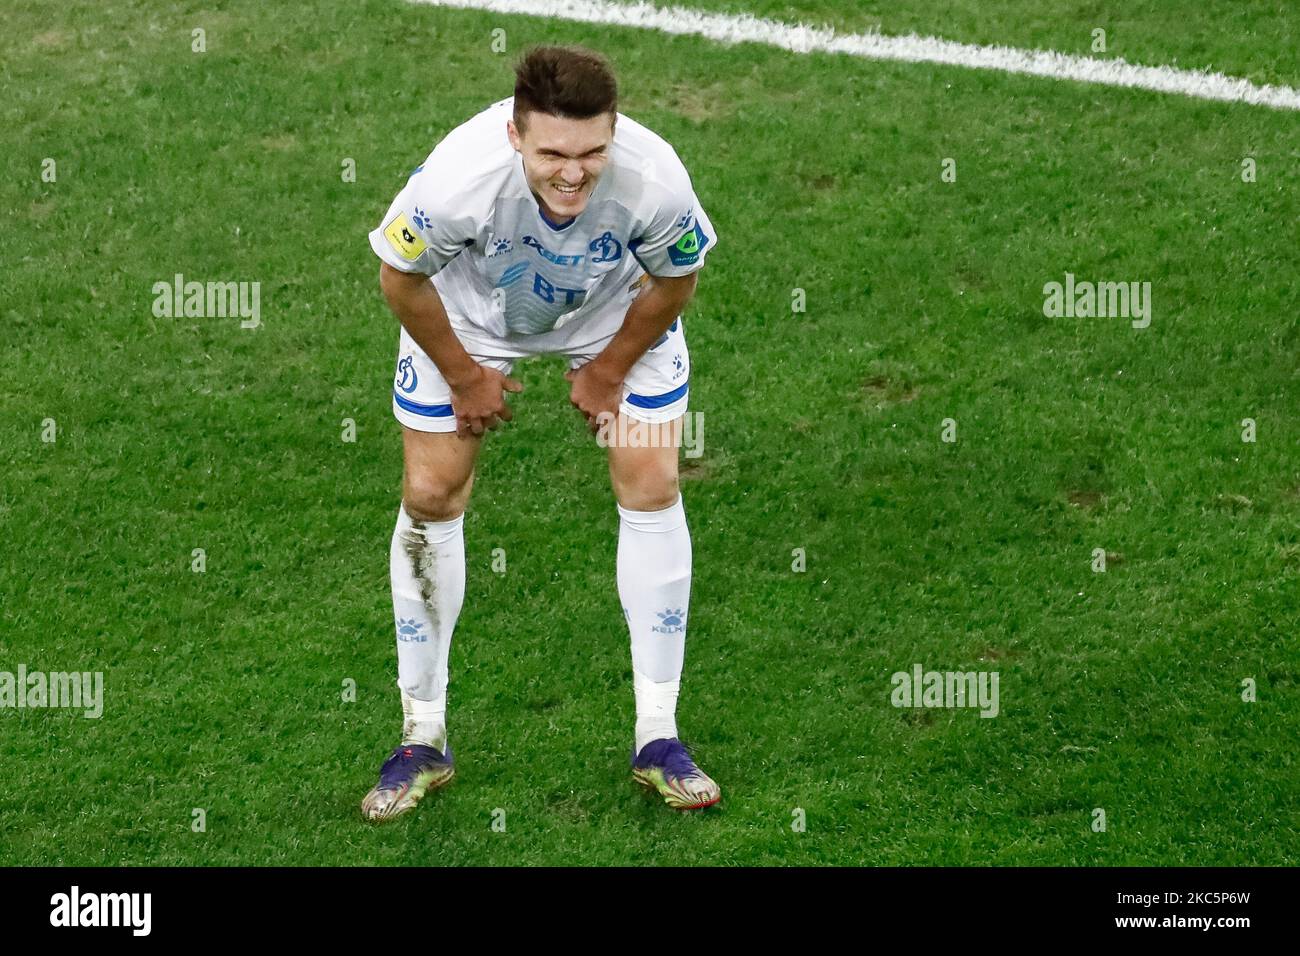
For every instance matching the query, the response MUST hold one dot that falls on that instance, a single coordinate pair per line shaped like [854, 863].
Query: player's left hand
[595, 391]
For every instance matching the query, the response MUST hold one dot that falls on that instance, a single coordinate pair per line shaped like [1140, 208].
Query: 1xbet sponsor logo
[548, 255]
[606, 247]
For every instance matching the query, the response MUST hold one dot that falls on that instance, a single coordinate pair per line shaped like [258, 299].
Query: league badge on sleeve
[404, 238]
[686, 250]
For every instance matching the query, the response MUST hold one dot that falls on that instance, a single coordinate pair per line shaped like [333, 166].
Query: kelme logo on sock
[670, 622]
[410, 631]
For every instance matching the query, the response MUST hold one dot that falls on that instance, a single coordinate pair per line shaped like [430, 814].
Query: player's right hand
[479, 402]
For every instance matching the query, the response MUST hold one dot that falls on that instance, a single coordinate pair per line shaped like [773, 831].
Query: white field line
[799, 38]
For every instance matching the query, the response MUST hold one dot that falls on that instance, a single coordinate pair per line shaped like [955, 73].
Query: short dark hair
[568, 81]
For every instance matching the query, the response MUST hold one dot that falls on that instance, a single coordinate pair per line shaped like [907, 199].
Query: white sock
[654, 584]
[656, 708]
[425, 721]
[427, 567]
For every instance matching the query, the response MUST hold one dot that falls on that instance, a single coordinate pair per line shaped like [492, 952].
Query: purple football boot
[665, 766]
[411, 771]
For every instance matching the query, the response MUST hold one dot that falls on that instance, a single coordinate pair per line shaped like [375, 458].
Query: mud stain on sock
[424, 560]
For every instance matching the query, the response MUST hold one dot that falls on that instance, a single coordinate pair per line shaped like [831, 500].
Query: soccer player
[551, 224]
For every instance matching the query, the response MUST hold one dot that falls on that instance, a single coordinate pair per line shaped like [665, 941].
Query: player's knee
[432, 497]
[648, 489]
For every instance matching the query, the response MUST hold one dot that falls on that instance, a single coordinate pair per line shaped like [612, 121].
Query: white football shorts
[654, 391]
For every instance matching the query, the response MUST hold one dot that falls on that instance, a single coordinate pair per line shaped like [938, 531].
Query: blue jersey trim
[632, 246]
[658, 401]
[558, 227]
[430, 411]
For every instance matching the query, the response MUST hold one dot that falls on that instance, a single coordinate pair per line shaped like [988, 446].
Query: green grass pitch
[224, 690]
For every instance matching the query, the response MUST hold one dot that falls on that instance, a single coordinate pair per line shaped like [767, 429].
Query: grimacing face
[563, 158]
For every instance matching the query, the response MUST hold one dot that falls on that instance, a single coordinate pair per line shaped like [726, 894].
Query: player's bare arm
[598, 385]
[476, 391]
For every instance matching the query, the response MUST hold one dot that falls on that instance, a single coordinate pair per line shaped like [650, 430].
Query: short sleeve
[421, 232]
[678, 235]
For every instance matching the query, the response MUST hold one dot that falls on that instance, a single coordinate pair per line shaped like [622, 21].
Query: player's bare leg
[427, 560]
[654, 585]
[437, 473]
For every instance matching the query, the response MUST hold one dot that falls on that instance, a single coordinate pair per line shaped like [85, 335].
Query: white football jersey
[468, 218]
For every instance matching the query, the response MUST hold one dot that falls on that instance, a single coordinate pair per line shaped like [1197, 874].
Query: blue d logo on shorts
[407, 379]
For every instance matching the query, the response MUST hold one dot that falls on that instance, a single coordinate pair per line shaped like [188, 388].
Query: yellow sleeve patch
[404, 239]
